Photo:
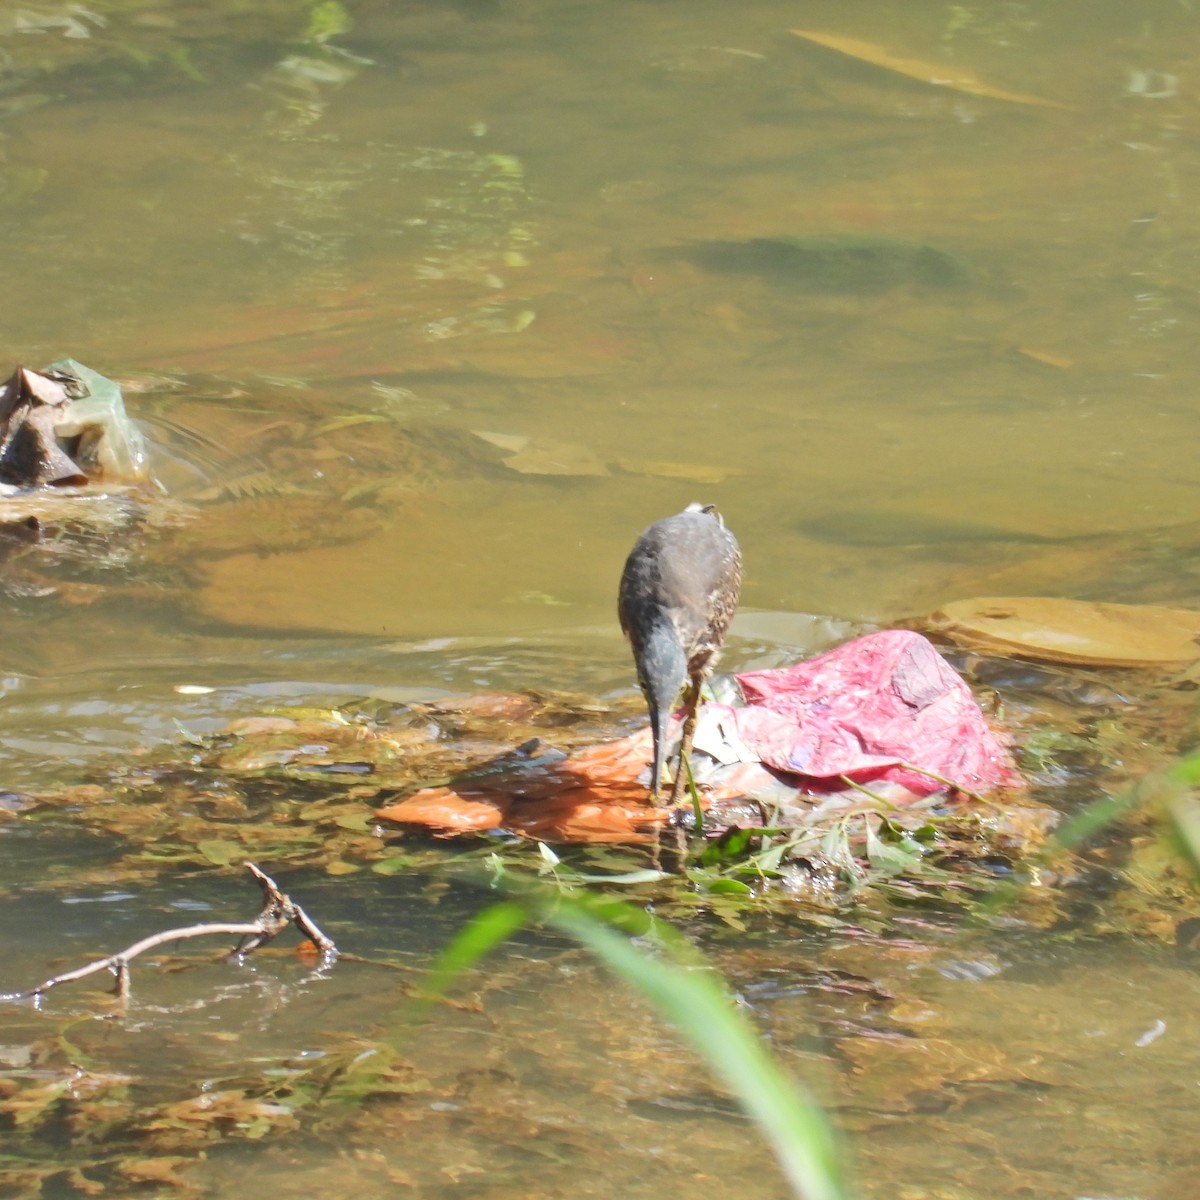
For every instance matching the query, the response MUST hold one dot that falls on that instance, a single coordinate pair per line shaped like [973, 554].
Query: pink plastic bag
[872, 709]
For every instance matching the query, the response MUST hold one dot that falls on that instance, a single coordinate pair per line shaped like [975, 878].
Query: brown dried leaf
[42, 389]
[448, 810]
[936, 74]
[1046, 357]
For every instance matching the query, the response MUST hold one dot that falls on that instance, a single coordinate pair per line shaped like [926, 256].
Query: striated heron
[678, 593]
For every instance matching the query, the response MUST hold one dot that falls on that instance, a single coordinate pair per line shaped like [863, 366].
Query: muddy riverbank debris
[884, 715]
[67, 427]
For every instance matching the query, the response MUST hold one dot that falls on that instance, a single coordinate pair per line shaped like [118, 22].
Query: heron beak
[660, 721]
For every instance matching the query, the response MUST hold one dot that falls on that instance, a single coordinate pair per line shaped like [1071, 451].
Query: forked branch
[278, 912]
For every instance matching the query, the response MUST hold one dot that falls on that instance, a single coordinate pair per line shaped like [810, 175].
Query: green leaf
[770, 860]
[890, 858]
[645, 875]
[729, 887]
[731, 846]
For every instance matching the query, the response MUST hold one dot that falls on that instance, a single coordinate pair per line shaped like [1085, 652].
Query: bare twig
[278, 912]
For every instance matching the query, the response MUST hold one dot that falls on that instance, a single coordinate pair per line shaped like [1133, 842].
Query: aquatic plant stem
[686, 764]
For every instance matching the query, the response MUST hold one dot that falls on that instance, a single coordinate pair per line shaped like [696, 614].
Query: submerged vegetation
[300, 790]
[902, 874]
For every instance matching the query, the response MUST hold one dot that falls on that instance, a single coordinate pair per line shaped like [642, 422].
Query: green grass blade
[793, 1124]
[682, 986]
[480, 936]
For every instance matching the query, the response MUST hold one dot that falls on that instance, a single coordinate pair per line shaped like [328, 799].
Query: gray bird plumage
[678, 593]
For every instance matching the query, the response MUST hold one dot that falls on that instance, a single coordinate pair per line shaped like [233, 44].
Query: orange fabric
[444, 808]
[594, 796]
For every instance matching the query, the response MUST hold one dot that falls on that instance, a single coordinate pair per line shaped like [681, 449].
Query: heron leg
[691, 704]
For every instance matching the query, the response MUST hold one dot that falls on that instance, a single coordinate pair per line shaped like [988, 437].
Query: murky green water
[326, 255]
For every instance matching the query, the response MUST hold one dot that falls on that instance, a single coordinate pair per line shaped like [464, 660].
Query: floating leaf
[937, 74]
[1073, 631]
